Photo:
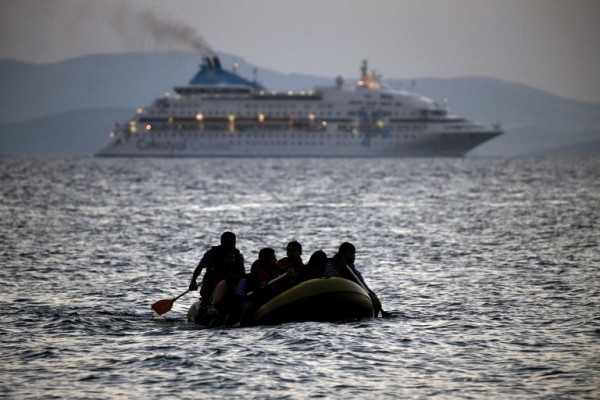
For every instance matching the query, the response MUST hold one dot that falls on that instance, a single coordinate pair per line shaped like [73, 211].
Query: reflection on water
[489, 266]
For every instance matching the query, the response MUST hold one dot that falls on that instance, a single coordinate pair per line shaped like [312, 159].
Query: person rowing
[342, 265]
[218, 267]
[224, 266]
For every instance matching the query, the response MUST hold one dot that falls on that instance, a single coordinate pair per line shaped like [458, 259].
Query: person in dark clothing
[229, 273]
[214, 263]
[262, 272]
[342, 265]
[291, 265]
[315, 268]
[258, 290]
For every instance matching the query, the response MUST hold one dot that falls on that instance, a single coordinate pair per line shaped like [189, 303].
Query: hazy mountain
[68, 108]
[111, 80]
[533, 120]
[81, 132]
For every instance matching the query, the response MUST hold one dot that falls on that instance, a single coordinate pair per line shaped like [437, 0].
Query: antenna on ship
[363, 70]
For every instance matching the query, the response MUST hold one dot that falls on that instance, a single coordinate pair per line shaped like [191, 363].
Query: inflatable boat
[322, 299]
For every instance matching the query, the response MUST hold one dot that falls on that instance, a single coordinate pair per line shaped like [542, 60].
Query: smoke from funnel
[100, 26]
[171, 33]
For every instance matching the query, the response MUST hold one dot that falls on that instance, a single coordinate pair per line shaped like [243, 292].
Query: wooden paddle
[164, 305]
[250, 293]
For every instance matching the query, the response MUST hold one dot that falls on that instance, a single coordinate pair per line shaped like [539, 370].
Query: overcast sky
[552, 45]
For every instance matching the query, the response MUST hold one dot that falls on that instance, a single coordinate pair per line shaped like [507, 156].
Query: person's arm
[360, 277]
[239, 258]
[288, 266]
[372, 295]
[201, 265]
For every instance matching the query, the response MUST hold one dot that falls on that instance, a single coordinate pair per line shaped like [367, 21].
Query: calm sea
[489, 266]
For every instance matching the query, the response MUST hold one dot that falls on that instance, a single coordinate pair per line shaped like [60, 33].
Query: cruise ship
[221, 114]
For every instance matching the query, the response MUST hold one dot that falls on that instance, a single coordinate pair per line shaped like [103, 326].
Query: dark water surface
[490, 267]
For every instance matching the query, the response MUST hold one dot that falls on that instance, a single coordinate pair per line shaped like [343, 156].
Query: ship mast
[368, 81]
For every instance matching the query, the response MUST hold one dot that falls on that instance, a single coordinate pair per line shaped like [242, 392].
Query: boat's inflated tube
[322, 299]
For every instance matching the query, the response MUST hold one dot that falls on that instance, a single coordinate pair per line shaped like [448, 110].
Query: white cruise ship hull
[301, 144]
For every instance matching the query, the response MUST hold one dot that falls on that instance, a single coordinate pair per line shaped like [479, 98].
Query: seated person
[315, 267]
[211, 262]
[227, 276]
[261, 273]
[254, 289]
[291, 265]
[342, 265]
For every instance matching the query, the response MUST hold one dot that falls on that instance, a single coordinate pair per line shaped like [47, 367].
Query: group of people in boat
[227, 289]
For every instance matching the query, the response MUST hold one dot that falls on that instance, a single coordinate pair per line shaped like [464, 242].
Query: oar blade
[162, 306]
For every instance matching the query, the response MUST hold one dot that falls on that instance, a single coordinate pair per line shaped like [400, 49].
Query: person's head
[318, 259]
[228, 240]
[347, 251]
[294, 249]
[266, 257]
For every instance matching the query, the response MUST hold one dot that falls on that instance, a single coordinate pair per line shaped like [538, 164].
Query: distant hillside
[81, 132]
[112, 80]
[34, 91]
[513, 104]
[68, 108]
[591, 148]
[536, 140]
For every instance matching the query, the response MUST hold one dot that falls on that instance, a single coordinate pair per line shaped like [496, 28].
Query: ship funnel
[208, 62]
[217, 62]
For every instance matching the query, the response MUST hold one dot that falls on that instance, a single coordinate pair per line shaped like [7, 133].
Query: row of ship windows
[374, 103]
[301, 114]
[259, 106]
[250, 130]
[253, 109]
[354, 143]
[286, 106]
[271, 137]
[275, 96]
